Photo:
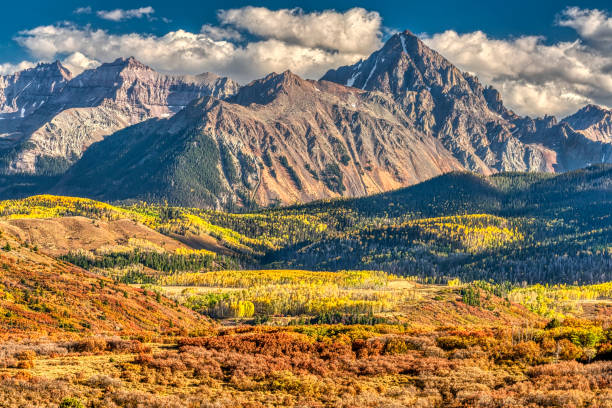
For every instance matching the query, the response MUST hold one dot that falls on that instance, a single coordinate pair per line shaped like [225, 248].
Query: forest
[517, 227]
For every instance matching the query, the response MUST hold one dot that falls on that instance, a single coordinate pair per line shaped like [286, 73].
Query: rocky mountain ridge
[281, 139]
[403, 115]
[594, 122]
[470, 120]
[82, 110]
[24, 91]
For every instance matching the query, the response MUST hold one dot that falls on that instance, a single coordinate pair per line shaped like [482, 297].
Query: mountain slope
[40, 295]
[279, 139]
[470, 120]
[89, 107]
[594, 122]
[507, 227]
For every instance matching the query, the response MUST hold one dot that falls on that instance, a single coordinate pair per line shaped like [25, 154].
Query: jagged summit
[272, 86]
[403, 63]
[57, 116]
[587, 116]
[593, 121]
[129, 63]
[52, 68]
[23, 92]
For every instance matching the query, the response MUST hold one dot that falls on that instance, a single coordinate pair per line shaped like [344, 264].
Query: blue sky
[544, 56]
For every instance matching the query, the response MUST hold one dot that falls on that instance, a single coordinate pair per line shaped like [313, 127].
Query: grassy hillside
[508, 227]
[41, 296]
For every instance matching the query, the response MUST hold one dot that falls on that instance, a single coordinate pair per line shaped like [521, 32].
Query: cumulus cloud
[533, 77]
[221, 49]
[594, 26]
[355, 31]
[121, 14]
[77, 63]
[220, 33]
[8, 68]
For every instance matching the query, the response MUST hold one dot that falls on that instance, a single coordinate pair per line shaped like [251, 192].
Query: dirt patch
[57, 236]
[202, 241]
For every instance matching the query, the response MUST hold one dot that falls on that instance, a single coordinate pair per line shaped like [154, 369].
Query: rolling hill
[531, 227]
[41, 296]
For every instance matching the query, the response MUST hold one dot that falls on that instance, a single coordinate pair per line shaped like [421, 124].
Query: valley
[427, 295]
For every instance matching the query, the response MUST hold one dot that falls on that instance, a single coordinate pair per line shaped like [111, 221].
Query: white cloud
[77, 63]
[355, 31]
[121, 14]
[594, 26]
[534, 78]
[83, 10]
[219, 49]
[220, 33]
[8, 68]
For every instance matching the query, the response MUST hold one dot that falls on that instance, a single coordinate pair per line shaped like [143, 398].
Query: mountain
[21, 93]
[279, 139]
[594, 122]
[52, 118]
[403, 115]
[470, 120]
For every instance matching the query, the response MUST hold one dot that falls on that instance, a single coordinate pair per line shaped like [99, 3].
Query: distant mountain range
[403, 115]
[50, 117]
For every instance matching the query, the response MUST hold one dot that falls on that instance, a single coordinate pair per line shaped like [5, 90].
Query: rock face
[279, 139]
[470, 120]
[21, 93]
[47, 137]
[594, 122]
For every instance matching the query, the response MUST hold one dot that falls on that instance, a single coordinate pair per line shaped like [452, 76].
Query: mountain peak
[263, 91]
[129, 62]
[111, 75]
[55, 67]
[404, 42]
[586, 115]
[593, 109]
[47, 70]
[404, 63]
[593, 121]
[23, 92]
[284, 77]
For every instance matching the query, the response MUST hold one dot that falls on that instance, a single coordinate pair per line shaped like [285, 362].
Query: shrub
[568, 350]
[90, 345]
[71, 402]
[451, 342]
[25, 359]
[396, 345]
